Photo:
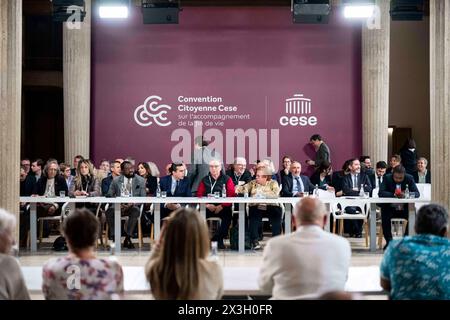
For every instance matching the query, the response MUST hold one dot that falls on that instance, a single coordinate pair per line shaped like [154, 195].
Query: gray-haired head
[310, 211]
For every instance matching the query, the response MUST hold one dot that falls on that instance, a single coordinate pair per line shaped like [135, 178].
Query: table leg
[117, 231]
[411, 218]
[287, 218]
[157, 221]
[203, 210]
[33, 223]
[241, 242]
[373, 227]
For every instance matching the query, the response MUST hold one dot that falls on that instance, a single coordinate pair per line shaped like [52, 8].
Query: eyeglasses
[52, 169]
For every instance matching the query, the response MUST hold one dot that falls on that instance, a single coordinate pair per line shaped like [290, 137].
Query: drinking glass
[217, 194]
[62, 194]
[163, 194]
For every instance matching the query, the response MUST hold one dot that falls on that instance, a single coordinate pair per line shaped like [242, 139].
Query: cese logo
[301, 121]
[298, 109]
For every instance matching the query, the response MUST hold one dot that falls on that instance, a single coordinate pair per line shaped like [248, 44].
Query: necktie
[299, 186]
[176, 187]
[379, 181]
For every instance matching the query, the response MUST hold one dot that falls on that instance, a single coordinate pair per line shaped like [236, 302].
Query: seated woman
[12, 284]
[151, 182]
[85, 184]
[80, 275]
[178, 267]
[322, 177]
[263, 186]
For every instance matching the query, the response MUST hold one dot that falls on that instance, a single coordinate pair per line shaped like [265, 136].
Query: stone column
[10, 104]
[440, 100]
[375, 84]
[77, 86]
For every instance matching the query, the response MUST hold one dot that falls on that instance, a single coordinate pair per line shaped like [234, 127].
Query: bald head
[310, 211]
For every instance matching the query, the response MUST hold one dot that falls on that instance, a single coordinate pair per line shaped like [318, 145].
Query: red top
[201, 191]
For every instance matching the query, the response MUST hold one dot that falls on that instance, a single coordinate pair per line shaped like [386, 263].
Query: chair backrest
[425, 190]
[375, 192]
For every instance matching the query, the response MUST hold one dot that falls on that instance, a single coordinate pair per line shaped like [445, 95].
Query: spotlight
[359, 9]
[160, 11]
[310, 11]
[113, 9]
[407, 10]
[62, 10]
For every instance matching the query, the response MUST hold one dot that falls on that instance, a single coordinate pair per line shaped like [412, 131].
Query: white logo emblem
[299, 110]
[150, 111]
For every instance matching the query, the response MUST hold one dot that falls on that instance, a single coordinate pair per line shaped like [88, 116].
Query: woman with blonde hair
[178, 268]
[85, 184]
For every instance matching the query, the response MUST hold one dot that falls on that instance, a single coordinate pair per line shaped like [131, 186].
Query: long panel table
[287, 202]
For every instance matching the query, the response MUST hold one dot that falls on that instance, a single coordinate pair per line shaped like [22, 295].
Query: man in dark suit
[422, 175]
[115, 173]
[132, 185]
[322, 151]
[76, 159]
[394, 186]
[296, 184]
[376, 179]
[175, 185]
[351, 186]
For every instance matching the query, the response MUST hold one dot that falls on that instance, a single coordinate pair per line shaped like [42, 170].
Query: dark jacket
[409, 160]
[347, 184]
[372, 178]
[287, 185]
[183, 189]
[41, 185]
[338, 177]
[315, 179]
[106, 183]
[281, 175]
[246, 176]
[151, 183]
[27, 186]
[322, 155]
[427, 176]
[387, 188]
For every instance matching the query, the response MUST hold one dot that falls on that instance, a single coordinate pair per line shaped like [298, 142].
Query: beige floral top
[270, 190]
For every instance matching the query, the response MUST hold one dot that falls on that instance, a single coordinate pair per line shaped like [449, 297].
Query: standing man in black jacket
[351, 186]
[394, 186]
[322, 151]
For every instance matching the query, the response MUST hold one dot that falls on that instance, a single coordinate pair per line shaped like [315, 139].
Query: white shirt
[306, 263]
[50, 187]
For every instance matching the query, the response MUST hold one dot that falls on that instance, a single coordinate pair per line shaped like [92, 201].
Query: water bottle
[407, 192]
[214, 254]
[361, 192]
[316, 191]
[224, 191]
[158, 191]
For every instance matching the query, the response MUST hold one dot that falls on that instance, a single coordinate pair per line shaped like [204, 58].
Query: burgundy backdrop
[253, 58]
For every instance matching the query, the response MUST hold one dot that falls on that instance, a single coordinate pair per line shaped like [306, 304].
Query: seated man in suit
[308, 262]
[395, 161]
[394, 186]
[422, 175]
[134, 185]
[175, 185]
[239, 174]
[351, 186]
[296, 184]
[376, 179]
[106, 182]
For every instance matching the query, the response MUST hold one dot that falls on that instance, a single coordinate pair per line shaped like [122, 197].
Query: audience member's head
[127, 169]
[310, 211]
[143, 169]
[287, 161]
[268, 164]
[154, 171]
[239, 165]
[77, 159]
[131, 160]
[395, 160]
[36, 166]
[105, 165]
[422, 164]
[177, 170]
[119, 160]
[346, 166]
[381, 167]
[354, 167]
[324, 168]
[80, 229]
[27, 164]
[65, 170]
[7, 226]
[398, 174]
[115, 169]
[215, 166]
[366, 162]
[175, 272]
[432, 219]
[296, 168]
[85, 168]
[409, 144]
[51, 170]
